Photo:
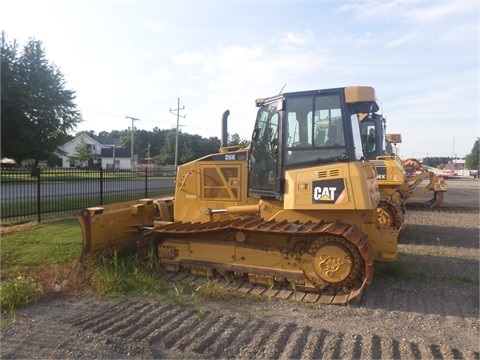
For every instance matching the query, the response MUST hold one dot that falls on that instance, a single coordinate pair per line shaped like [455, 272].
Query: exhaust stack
[225, 128]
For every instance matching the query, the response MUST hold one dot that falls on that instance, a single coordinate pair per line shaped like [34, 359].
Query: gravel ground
[425, 306]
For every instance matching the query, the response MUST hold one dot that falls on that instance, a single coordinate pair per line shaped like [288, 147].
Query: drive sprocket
[389, 214]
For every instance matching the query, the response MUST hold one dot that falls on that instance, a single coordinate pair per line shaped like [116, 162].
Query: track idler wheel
[335, 263]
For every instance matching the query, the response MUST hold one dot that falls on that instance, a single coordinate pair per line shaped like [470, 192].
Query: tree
[12, 138]
[82, 153]
[90, 133]
[437, 162]
[161, 143]
[235, 139]
[37, 111]
[210, 145]
[472, 160]
[167, 151]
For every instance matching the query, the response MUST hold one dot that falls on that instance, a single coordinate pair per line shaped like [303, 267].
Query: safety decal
[381, 172]
[327, 191]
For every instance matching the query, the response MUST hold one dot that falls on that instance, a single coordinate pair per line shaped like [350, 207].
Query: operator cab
[305, 129]
[372, 130]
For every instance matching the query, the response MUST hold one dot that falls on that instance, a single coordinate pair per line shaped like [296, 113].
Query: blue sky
[136, 58]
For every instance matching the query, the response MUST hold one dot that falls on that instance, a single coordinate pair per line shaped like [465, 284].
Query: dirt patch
[425, 305]
[10, 228]
[7, 229]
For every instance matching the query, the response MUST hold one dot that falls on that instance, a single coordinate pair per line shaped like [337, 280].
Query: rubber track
[285, 228]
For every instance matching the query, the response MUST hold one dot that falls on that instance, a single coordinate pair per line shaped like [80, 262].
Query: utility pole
[114, 147]
[453, 149]
[176, 133]
[132, 138]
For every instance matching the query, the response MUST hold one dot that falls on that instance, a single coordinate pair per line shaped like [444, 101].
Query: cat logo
[327, 191]
[324, 194]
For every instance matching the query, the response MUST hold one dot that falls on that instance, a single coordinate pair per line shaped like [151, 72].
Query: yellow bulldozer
[398, 180]
[297, 207]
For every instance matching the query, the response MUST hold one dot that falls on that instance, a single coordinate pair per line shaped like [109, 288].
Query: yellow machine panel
[343, 186]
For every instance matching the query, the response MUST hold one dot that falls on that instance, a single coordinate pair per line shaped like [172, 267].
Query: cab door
[264, 177]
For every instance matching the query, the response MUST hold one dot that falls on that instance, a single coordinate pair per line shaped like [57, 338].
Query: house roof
[119, 152]
[87, 139]
[107, 141]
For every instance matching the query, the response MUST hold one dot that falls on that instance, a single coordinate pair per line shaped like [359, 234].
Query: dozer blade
[435, 184]
[437, 199]
[116, 226]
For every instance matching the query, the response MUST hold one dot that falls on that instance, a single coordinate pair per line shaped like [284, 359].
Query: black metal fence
[43, 193]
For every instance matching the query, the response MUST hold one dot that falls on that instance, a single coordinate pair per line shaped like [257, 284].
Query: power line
[176, 133]
[132, 137]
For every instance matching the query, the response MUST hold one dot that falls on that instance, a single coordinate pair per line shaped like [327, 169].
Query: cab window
[314, 129]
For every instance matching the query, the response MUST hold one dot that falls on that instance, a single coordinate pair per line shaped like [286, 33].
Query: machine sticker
[233, 156]
[381, 171]
[327, 191]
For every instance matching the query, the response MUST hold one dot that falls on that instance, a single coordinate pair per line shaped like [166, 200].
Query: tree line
[158, 145]
[472, 159]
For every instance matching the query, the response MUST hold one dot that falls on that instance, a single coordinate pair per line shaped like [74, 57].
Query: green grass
[43, 261]
[46, 244]
[34, 260]
[407, 268]
[16, 292]
[464, 280]
[122, 274]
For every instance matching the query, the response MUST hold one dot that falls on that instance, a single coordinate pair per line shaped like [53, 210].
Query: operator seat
[332, 136]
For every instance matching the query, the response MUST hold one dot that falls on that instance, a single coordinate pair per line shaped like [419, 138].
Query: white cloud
[188, 58]
[439, 10]
[155, 27]
[163, 73]
[296, 39]
[372, 9]
[402, 40]
[460, 34]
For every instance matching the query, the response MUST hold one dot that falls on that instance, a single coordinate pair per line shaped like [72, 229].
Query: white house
[115, 158]
[101, 155]
[70, 148]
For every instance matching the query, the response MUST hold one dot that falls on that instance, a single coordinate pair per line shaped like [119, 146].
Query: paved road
[459, 195]
[61, 188]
